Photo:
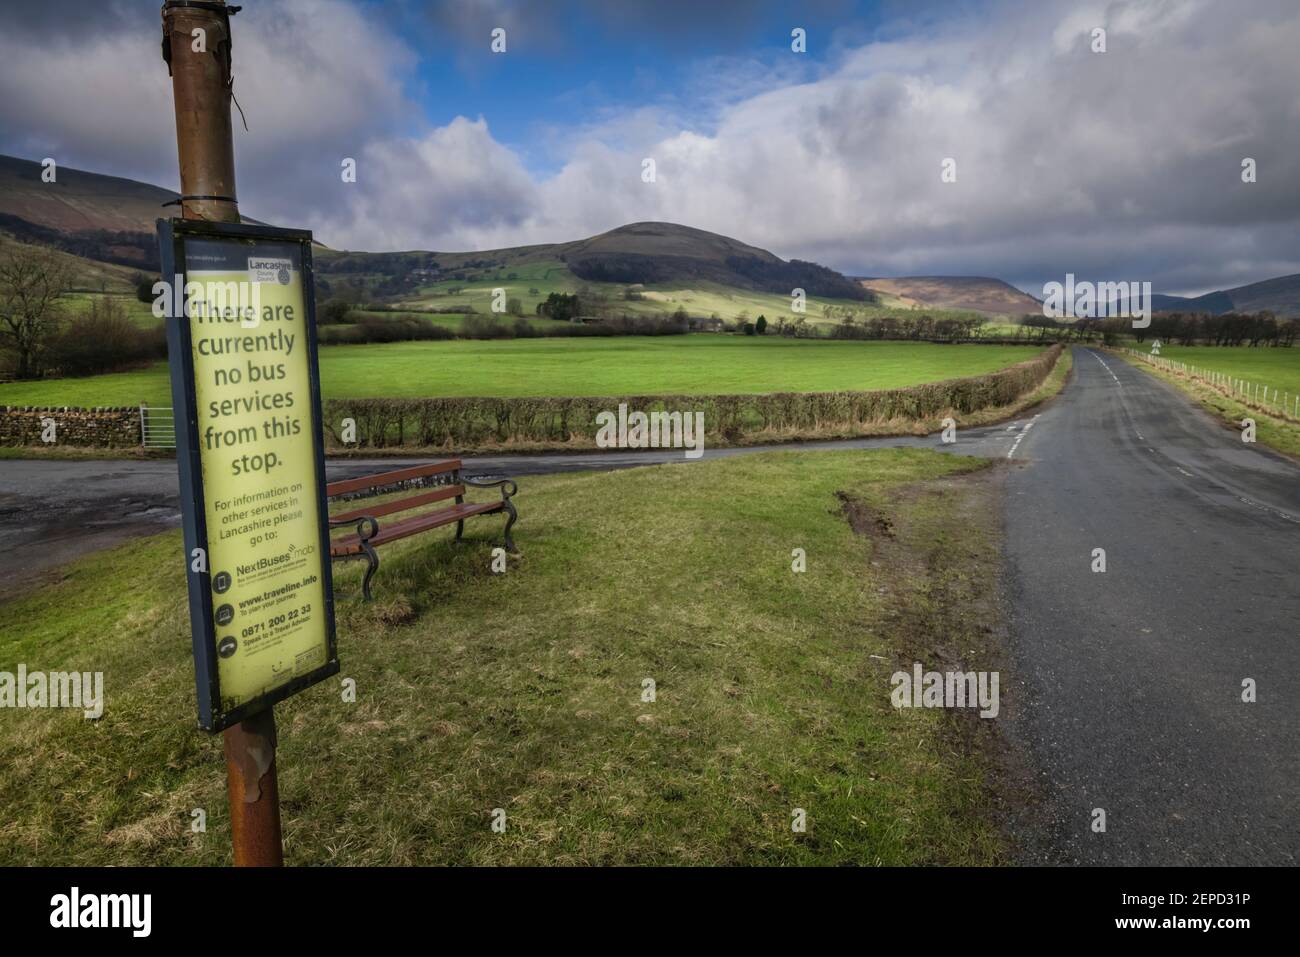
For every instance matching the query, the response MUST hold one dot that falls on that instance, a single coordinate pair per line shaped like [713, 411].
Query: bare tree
[32, 283]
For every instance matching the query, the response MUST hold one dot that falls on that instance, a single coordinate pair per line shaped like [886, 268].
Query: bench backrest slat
[391, 478]
[401, 504]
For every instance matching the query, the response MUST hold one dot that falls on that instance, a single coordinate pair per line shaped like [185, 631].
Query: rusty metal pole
[197, 48]
[254, 792]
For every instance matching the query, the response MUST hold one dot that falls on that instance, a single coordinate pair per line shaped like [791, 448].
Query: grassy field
[698, 365]
[479, 691]
[1275, 368]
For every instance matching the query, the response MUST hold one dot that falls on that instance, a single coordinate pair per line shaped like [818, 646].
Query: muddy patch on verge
[861, 518]
[936, 563]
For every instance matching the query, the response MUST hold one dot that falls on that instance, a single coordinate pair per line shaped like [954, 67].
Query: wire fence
[1266, 398]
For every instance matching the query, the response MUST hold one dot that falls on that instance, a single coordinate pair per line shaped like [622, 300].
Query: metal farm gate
[157, 427]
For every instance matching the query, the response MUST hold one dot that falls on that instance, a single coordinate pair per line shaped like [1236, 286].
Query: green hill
[108, 221]
[104, 219]
[645, 266]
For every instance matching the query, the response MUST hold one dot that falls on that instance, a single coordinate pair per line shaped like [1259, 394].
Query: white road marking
[1104, 366]
[1019, 438]
[1141, 437]
[1268, 508]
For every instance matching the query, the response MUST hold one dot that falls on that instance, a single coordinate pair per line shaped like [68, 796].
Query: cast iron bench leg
[367, 528]
[373, 557]
[510, 510]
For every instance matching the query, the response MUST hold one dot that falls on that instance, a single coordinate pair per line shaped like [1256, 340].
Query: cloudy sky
[1125, 164]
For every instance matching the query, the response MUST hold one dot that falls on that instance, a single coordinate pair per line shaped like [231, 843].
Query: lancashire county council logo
[266, 269]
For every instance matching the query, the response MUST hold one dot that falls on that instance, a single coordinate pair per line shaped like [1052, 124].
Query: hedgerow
[570, 421]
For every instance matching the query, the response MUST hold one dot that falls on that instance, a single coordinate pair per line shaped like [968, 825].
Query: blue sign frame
[172, 237]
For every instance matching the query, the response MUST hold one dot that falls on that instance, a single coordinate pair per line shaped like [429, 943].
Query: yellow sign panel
[253, 434]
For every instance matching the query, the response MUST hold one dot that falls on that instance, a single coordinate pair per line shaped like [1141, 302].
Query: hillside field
[630, 365]
[531, 280]
[955, 292]
[700, 297]
[87, 275]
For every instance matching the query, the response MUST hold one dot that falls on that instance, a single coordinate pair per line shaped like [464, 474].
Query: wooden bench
[369, 533]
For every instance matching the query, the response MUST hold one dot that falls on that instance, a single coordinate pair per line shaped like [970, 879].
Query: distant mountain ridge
[636, 254]
[109, 219]
[972, 293]
[78, 200]
[105, 218]
[1281, 296]
[667, 252]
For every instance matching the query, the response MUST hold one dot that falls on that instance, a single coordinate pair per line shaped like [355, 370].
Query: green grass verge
[630, 365]
[523, 691]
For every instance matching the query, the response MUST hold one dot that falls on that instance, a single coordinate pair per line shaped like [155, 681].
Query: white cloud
[1067, 160]
[86, 105]
[1125, 162]
[455, 184]
[317, 81]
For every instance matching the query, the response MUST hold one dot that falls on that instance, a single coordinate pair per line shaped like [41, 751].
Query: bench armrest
[367, 527]
[506, 492]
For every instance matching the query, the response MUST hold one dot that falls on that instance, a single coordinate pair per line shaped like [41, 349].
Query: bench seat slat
[391, 478]
[351, 544]
[401, 504]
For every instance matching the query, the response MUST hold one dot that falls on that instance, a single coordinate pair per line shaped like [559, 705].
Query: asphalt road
[1133, 677]
[52, 511]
